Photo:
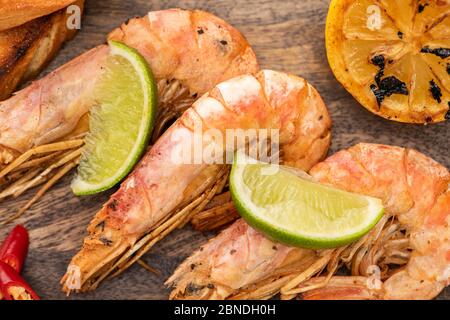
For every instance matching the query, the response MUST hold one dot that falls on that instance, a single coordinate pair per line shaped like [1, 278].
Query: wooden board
[287, 36]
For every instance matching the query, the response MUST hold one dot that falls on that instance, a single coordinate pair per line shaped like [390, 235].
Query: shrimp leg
[413, 234]
[162, 193]
[188, 51]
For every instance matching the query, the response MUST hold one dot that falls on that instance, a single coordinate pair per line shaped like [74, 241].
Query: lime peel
[296, 211]
[105, 163]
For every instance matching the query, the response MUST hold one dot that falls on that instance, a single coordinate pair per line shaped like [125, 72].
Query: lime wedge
[120, 123]
[291, 208]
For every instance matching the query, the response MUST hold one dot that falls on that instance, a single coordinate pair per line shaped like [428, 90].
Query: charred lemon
[393, 56]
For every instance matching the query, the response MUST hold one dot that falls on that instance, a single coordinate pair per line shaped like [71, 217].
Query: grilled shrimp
[41, 126]
[413, 235]
[239, 263]
[161, 194]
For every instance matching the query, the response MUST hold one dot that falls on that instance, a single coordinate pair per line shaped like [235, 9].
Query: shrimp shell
[188, 51]
[414, 233]
[414, 189]
[172, 44]
[161, 194]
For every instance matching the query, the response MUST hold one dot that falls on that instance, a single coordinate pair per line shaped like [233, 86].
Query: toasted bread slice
[14, 13]
[26, 49]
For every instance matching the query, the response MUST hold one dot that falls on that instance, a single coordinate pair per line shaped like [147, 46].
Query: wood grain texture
[287, 36]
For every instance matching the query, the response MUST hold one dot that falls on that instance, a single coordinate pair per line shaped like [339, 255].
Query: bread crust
[15, 13]
[25, 50]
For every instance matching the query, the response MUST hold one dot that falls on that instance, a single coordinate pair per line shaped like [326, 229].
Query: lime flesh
[299, 212]
[120, 123]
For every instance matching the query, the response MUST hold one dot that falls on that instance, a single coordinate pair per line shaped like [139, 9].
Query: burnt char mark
[447, 115]
[22, 38]
[223, 45]
[101, 225]
[378, 94]
[387, 87]
[393, 85]
[442, 53]
[422, 7]
[448, 68]
[200, 31]
[436, 92]
[400, 35]
[20, 52]
[106, 241]
[129, 19]
[380, 62]
[113, 204]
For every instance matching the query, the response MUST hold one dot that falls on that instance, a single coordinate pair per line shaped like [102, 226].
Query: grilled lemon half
[393, 56]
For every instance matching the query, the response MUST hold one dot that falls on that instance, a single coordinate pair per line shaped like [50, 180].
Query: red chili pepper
[13, 286]
[15, 248]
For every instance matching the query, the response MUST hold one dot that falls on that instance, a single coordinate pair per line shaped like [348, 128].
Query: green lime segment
[294, 210]
[120, 123]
